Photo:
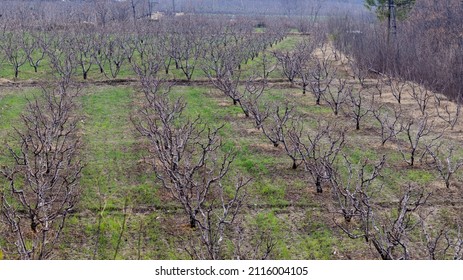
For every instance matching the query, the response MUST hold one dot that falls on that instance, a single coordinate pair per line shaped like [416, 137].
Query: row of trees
[183, 43]
[189, 158]
[42, 175]
[320, 150]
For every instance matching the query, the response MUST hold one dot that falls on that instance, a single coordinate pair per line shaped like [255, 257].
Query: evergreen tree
[382, 7]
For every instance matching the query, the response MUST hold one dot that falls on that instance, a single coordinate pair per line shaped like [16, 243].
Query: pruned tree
[450, 116]
[390, 122]
[443, 241]
[397, 88]
[63, 60]
[319, 151]
[416, 132]
[11, 47]
[185, 158]
[358, 108]
[444, 161]
[115, 55]
[291, 134]
[43, 178]
[323, 74]
[289, 64]
[253, 244]
[336, 95]
[254, 89]
[84, 49]
[223, 71]
[359, 69]
[184, 153]
[275, 126]
[421, 95]
[349, 188]
[32, 46]
[215, 219]
[388, 233]
[379, 86]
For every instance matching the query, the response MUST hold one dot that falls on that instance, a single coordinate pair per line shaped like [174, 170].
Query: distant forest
[239, 7]
[263, 7]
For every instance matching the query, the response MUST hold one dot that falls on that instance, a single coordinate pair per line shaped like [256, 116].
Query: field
[124, 212]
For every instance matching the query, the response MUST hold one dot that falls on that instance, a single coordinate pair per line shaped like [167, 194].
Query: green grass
[420, 177]
[108, 137]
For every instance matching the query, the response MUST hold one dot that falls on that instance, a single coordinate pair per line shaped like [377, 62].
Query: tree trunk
[319, 185]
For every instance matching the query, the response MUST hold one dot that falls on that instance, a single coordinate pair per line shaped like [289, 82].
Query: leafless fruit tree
[416, 133]
[350, 189]
[421, 95]
[187, 163]
[397, 88]
[444, 161]
[388, 233]
[358, 108]
[337, 95]
[390, 122]
[44, 175]
[323, 74]
[319, 151]
[442, 241]
[450, 116]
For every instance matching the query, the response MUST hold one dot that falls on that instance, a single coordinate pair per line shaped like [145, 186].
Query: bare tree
[444, 161]
[336, 95]
[358, 109]
[416, 133]
[223, 71]
[390, 124]
[32, 46]
[275, 126]
[186, 164]
[215, 218]
[63, 59]
[359, 70]
[397, 88]
[350, 189]
[450, 116]
[320, 151]
[262, 244]
[389, 234]
[289, 62]
[11, 45]
[421, 95]
[115, 55]
[323, 74]
[84, 49]
[44, 177]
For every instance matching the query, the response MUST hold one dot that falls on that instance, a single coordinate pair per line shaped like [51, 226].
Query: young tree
[323, 74]
[223, 70]
[450, 116]
[421, 95]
